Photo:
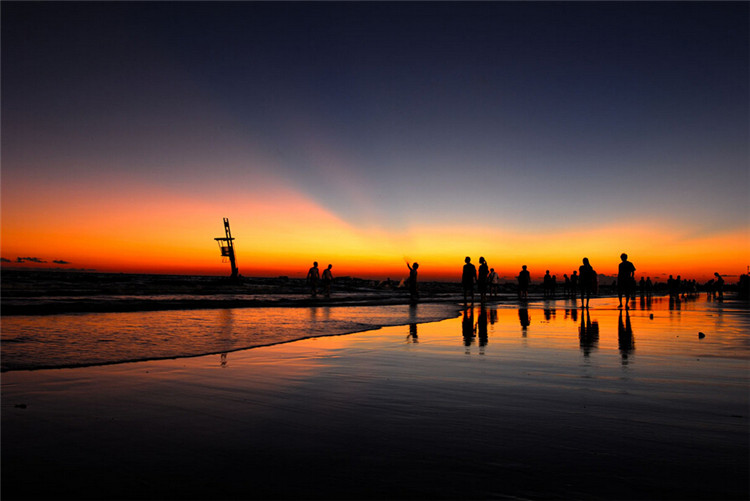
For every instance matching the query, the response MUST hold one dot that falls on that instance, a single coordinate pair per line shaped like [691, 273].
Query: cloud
[30, 260]
[60, 261]
[4, 260]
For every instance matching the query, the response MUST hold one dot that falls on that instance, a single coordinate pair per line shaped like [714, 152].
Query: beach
[537, 401]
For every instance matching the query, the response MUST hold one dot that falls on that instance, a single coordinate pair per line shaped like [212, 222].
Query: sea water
[72, 340]
[649, 326]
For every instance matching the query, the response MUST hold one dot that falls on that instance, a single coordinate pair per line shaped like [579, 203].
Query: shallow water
[548, 403]
[69, 340]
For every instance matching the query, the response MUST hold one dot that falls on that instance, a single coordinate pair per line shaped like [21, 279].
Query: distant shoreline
[34, 292]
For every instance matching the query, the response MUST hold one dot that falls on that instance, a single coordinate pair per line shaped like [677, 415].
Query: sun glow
[282, 232]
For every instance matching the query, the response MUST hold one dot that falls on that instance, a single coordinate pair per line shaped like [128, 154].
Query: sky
[367, 134]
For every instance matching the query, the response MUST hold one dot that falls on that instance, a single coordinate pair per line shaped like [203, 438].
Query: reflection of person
[588, 282]
[588, 334]
[625, 279]
[467, 326]
[524, 279]
[413, 286]
[481, 326]
[327, 279]
[468, 277]
[313, 275]
[482, 279]
[625, 339]
[413, 333]
[523, 317]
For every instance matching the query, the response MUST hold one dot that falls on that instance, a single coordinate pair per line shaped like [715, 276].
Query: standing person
[588, 281]
[719, 284]
[546, 284]
[327, 279]
[494, 282]
[625, 279]
[313, 275]
[468, 278]
[573, 284]
[566, 285]
[524, 279]
[482, 279]
[413, 287]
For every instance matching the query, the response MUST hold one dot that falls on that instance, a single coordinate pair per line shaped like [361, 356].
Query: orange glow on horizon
[283, 232]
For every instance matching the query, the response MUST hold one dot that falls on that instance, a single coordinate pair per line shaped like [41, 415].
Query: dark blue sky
[526, 115]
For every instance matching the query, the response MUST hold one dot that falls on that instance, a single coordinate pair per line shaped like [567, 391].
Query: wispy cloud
[60, 261]
[30, 260]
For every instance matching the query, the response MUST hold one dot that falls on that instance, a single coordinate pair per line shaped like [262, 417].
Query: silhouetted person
[327, 279]
[546, 284]
[413, 285]
[523, 317]
[566, 285]
[524, 279]
[483, 275]
[467, 326]
[625, 337]
[649, 287]
[574, 284]
[588, 334]
[744, 286]
[313, 276]
[481, 326]
[588, 282]
[468, 278]
[554, 286]
[719, 286]
[672, 287]
[494, 282]
[642, 287]
[625, 279]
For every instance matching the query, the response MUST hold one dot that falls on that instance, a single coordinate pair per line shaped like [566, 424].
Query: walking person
[313, 276]
[327, 279]
[625, 280]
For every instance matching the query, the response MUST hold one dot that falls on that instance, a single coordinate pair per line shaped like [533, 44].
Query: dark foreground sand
[534, 414]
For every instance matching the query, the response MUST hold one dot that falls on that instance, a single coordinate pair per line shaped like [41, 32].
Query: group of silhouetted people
[314, 278]
[584, 279]
[486, 279]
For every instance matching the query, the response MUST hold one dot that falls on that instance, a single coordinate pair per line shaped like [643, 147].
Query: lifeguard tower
[226, 245]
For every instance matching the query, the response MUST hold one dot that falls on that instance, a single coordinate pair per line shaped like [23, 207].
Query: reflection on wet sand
[523, 317]
[625, 339]
[467, 327]
[481, 329]
[588, 334]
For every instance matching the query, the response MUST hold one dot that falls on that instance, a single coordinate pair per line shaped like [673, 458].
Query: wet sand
[604, 406]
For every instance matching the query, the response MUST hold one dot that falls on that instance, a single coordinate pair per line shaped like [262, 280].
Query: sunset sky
[363, 134]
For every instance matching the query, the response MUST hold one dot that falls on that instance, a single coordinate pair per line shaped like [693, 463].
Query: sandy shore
[421, 411]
